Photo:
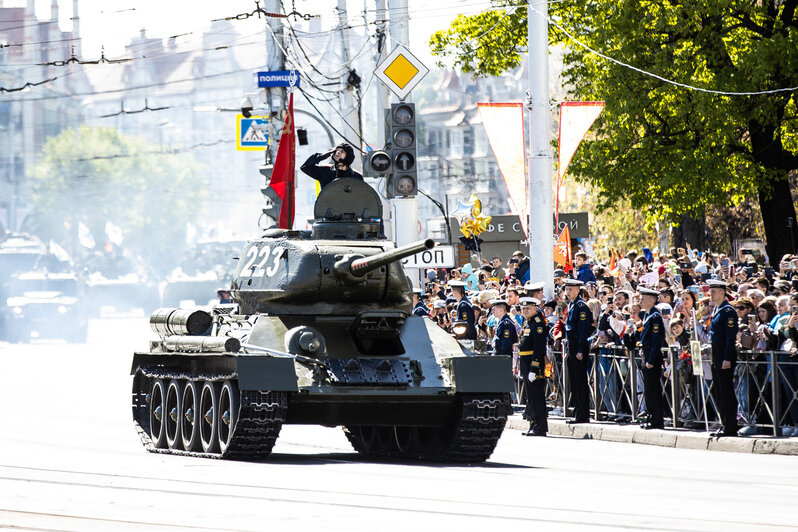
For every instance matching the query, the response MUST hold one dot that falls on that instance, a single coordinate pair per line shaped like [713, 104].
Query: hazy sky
[112, 23]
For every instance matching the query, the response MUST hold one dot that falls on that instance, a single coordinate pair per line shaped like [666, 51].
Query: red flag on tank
[284, 173]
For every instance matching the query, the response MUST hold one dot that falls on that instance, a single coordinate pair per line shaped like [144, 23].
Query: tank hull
[422, 394]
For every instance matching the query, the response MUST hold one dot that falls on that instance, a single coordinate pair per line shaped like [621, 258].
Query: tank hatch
[348, 209]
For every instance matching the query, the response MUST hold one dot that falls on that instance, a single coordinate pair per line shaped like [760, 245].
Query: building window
[468, 141]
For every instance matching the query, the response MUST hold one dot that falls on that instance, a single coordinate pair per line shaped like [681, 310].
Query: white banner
[575, 120]
[507, 143]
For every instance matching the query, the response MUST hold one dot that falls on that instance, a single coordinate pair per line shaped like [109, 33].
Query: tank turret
[342, 266]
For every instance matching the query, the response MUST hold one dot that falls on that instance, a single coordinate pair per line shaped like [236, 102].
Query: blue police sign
[278, 78]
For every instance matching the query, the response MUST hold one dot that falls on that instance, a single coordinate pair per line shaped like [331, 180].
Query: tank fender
[266, 373]
[482, 374]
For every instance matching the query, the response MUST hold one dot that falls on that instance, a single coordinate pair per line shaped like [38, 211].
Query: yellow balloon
[481, 224]
[477, 205]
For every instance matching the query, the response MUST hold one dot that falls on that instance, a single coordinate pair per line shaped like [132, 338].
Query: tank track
[470, 439]
[260, 417]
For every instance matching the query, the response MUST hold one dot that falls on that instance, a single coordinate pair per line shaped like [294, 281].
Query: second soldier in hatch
[342, 156]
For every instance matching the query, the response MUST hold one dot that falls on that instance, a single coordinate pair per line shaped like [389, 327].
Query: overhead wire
[657, 76]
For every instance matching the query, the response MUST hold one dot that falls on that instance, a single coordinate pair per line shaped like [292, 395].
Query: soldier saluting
[342, 155]
[652, 340]
[532, 360]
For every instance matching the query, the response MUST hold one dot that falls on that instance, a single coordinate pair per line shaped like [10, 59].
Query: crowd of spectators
[764, 297]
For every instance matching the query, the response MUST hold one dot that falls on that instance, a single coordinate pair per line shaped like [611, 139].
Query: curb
[675, 438]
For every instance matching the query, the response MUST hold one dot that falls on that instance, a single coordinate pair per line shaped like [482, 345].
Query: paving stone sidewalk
[677, 438]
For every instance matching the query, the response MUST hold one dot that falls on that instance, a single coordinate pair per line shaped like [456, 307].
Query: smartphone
[685, 265]
[746, 252]
[705, 276]
[794, 309]
[725, 263]
[769, 272]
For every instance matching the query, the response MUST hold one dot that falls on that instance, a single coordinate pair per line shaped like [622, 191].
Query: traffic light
[377, 163]
[403, 180]
[273, 204]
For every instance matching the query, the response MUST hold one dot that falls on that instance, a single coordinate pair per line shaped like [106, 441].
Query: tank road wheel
[190, 417]
[174, 407]
[228, 413]
[372, 440]
[157, 413]
[404, 439]
[209, 417]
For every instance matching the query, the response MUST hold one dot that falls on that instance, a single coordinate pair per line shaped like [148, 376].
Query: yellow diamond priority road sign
[401, 71]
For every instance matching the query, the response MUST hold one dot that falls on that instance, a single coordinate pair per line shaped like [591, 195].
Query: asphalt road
[71, 460]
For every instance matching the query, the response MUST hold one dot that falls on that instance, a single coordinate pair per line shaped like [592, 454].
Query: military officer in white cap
[532, 362]
[506, 335]
[578, 328]
[419, 308]
[652, 340]
[534, 289]
[723, 337]
[465, 311]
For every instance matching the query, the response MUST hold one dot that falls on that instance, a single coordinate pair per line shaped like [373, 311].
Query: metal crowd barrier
[766, 384]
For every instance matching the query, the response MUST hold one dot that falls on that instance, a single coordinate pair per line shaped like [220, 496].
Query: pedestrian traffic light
[404, 178]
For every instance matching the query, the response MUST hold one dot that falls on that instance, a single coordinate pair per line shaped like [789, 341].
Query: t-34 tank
[321, 333]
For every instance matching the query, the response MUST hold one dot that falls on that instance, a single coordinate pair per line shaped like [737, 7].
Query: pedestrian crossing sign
[252, 133]
[401, 71]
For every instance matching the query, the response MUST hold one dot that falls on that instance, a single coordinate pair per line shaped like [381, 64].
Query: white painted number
[253, 254]
[252, 270]
[264, 252]
[275, 263]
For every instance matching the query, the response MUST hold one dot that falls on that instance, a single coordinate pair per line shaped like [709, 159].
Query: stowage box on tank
[321, 333]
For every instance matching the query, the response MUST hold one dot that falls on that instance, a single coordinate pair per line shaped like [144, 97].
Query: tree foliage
[97, 175]
[666, 149]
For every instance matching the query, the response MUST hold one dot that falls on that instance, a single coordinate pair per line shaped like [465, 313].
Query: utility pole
[12, 169]
[541, 220]
[383, 94]
[405, 209]
[350, 108]
[275, 61]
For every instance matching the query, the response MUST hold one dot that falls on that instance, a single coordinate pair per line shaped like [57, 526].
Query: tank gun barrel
[361, 267]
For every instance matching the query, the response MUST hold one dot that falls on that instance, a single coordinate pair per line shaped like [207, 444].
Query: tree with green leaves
[95, 175]
[671, 151]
